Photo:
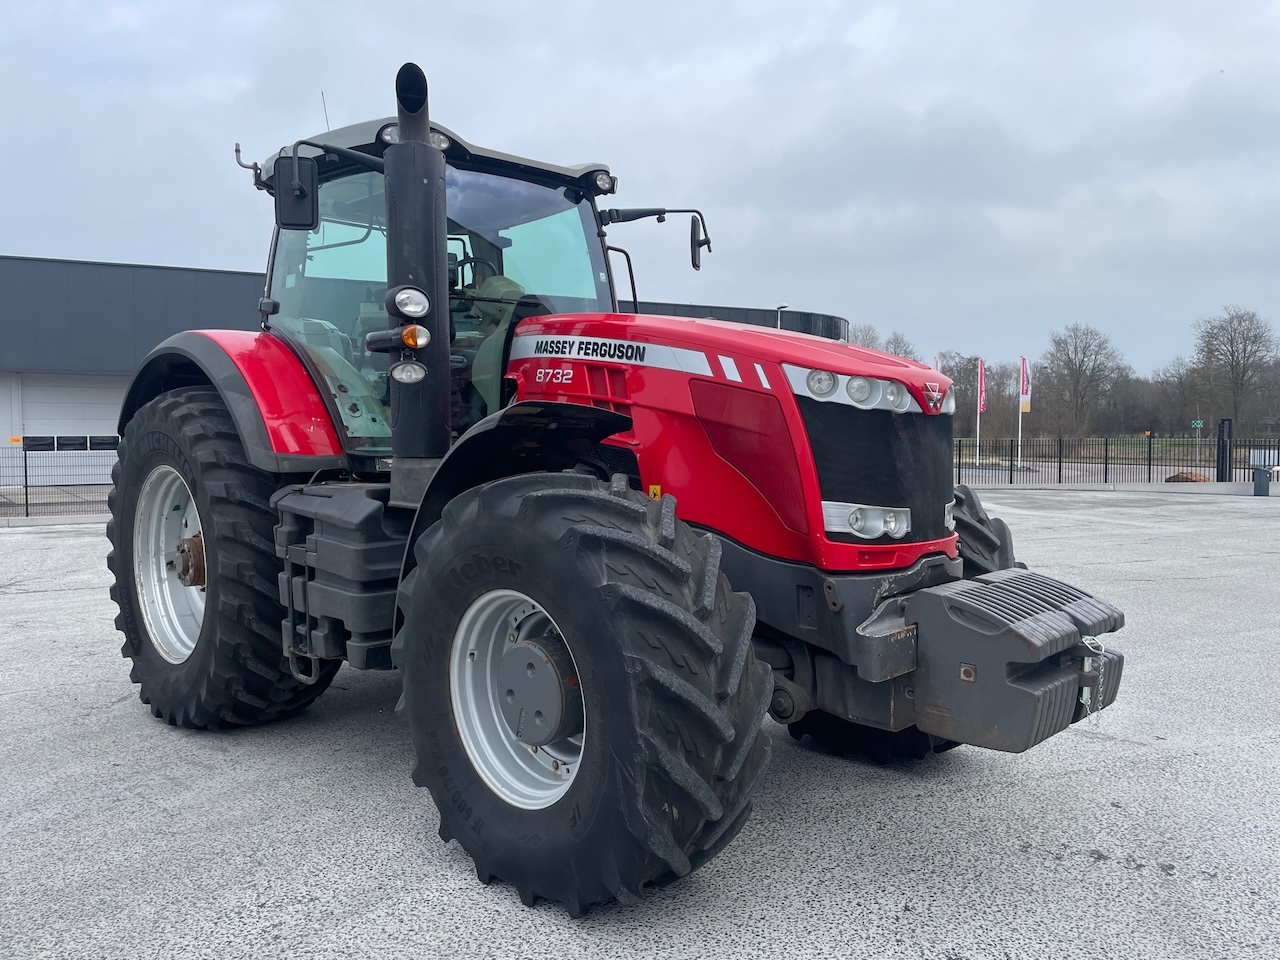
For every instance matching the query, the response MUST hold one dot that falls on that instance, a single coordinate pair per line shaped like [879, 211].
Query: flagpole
[982, 402]
[1024, 401]
[1019, 434]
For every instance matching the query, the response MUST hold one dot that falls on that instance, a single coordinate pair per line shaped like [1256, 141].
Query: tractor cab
[522, 240]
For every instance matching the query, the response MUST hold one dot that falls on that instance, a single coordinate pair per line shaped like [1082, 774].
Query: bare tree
[1234, 350]
[1048, 416]
[1077, 371]
[900, 346]
[1001, 416]
[1179, 391]
[864, 335]
[963, 373]
[1131, 406]
[1000, 419]
[1269, 419]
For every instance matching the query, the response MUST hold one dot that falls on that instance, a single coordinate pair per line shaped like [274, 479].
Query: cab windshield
[507, 238]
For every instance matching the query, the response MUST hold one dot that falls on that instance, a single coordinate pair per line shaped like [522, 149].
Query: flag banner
[1025, 390]
[982, 386]
[937, 364]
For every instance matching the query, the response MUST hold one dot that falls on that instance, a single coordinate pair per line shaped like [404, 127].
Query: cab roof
[365, 135]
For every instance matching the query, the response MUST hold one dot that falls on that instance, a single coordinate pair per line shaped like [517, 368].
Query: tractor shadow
[819, 813]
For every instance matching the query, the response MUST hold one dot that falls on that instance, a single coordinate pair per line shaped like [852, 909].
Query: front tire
[664, 750]
[984, 541]
[184, 494]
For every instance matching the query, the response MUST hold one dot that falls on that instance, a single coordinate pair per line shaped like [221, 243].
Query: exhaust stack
[416, 256]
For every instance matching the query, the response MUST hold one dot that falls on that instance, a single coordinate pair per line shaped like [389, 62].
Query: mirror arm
[258, 182]
[626, 215]
[296, 186]
[355, 156]
[614, 215]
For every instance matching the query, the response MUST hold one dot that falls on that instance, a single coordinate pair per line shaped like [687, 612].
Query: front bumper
[1002, 661]
[1011, 658]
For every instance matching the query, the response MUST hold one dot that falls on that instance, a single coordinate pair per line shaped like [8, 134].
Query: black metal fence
[67, 476]
[56, 476]
[1112, 459]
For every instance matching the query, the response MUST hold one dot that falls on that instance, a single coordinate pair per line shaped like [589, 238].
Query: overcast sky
[974, 174]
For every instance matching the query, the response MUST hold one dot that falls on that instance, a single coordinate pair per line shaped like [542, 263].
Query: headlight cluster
[411, 302]
[410, 371]
[865, 393]
[863, 520]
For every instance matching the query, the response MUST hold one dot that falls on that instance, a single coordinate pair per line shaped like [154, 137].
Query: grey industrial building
[72, 333]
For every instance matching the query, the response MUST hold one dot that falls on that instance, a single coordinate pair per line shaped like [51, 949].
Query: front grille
[883, 459]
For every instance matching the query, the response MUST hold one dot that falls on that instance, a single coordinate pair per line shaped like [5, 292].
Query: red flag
[1025, 391]
[982, 386]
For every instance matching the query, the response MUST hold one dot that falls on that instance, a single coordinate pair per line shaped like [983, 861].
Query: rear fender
[529, 437]
[277, 409]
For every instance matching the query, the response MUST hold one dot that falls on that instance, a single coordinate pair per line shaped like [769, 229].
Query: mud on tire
[236, 673]
[674, 698]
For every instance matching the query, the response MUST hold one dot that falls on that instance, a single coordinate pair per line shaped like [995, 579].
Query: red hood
[742, 339]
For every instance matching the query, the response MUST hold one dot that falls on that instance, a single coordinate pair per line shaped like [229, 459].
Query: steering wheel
[474, 260]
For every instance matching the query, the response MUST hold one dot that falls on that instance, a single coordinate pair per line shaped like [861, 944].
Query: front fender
[525, 437]
[277, 409]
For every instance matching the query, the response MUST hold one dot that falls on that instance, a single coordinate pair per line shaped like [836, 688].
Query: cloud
[974, 175]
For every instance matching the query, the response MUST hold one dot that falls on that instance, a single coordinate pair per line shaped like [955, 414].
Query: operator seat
[372, 315]
[494, 319]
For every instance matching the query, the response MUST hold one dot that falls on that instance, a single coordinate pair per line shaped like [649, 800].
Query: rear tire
[672, 696]
[218, 662]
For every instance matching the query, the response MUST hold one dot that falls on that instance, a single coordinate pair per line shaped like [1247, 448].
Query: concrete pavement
[1154, 834]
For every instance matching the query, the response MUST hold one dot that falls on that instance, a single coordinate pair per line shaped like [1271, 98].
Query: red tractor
[599, 547]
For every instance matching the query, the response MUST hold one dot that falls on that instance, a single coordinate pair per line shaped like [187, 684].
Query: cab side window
[330, 284]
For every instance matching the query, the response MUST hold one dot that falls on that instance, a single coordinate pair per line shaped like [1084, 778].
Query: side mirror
[697, 241]
[297, 193]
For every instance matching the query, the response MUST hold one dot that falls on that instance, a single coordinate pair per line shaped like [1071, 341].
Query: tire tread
[696, 694]
[248, 681]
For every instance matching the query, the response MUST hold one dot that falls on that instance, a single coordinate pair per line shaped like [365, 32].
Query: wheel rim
[165, 517]
[531, 778]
